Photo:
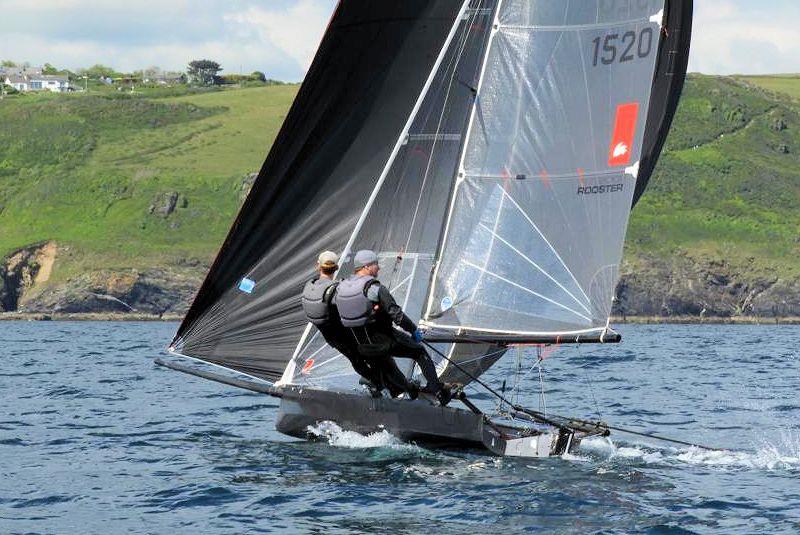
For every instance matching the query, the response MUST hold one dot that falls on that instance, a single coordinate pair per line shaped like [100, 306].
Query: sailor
[319, 309]
[368, 309]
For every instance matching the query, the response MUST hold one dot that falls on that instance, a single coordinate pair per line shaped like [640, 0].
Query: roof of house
[15, 79]
[50, 77]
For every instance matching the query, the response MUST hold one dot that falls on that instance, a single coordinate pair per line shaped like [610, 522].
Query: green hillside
[728, 183]
[84, 171]
[125, 184]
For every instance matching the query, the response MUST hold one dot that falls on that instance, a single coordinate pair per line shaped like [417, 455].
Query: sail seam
[525, 215]
[534, 264]
[577, 27]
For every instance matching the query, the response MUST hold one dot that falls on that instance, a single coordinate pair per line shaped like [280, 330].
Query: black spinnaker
[371, 67]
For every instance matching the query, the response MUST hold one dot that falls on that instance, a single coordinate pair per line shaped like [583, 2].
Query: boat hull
[419, 421]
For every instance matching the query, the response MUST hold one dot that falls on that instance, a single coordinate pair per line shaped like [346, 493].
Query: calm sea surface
[94, 438]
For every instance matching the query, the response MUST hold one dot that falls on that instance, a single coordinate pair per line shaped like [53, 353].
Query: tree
[259, 76]
[204, 71]
[49, 69]
[99, 71]
[151, 73]
[7, 63]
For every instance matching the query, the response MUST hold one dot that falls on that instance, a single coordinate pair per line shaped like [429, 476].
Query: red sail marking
[582, 176]
[505, 174]
[307, 366]
[545, 176]
[624, 134]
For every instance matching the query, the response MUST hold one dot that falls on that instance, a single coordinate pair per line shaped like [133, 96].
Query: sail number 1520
[614, 47]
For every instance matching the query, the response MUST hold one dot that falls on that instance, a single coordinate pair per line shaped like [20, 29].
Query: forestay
[534, 234]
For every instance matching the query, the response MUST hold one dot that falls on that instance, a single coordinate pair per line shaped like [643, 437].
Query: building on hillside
[20, 83]
[169, 78]
[20, 71]
[56, 83]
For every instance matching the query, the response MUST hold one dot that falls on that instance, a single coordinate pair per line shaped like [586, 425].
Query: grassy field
[85, 170]
[788, 84]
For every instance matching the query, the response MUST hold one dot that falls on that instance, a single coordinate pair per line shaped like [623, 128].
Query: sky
[279, 37]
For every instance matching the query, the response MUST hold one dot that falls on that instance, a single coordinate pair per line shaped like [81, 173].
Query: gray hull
[419, 421]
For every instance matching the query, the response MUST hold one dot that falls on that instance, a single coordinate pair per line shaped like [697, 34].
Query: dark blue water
[96, 439]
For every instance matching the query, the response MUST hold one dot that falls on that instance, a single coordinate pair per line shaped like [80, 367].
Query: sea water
[94, 438]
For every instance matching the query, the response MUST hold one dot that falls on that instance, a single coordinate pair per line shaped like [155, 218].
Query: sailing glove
[418, 336]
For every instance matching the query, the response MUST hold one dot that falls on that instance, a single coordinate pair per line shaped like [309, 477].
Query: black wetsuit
[381, 374]
[382, 341]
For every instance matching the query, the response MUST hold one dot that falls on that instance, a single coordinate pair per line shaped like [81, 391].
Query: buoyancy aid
[355, 309]
[317, 297]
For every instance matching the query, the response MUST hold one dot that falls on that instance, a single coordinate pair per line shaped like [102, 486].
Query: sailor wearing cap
[367, 308]
[320, 310]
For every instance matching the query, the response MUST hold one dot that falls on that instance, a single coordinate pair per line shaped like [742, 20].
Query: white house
[57, 83]
[20, 83]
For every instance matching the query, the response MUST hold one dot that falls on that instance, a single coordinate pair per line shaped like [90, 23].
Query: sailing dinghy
[491, 151]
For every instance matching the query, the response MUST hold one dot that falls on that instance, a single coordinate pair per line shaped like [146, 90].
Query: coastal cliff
[118, 205]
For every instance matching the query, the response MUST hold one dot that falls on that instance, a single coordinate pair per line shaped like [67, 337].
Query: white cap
[328, 259]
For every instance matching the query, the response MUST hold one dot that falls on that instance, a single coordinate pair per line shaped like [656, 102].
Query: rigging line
[534, 264]
[455, 63]
[494, 392]
[398, 144]
[536, 228]
[401, 283]
[542, 399]
[482, 357]
[320, 365]
[588, 379]
[549, 420]
[528, 290]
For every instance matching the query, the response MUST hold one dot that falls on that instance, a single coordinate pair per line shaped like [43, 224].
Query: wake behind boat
[491, 152]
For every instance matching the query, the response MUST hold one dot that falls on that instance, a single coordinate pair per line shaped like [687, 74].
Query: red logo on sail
[307, 367]
[624, 134]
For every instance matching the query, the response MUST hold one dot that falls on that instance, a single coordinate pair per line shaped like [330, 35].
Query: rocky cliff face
[157, 291]
[682, 286]
[675, 286]
[25, 286]
[22, 270]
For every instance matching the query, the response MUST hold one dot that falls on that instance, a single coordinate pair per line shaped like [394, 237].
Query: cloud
[280, 37]
[240, 34]
[744, 37]
[297, 31]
